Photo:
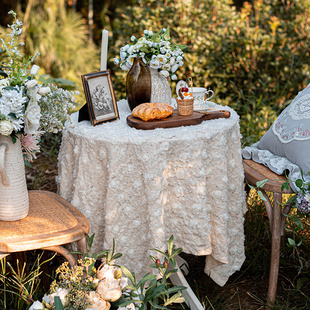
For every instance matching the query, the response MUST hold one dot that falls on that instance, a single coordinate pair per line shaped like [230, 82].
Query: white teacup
[200, 95]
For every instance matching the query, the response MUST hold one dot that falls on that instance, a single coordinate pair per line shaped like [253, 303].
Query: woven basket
[185, 106]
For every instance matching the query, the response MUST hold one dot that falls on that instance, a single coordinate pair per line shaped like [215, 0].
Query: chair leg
[275, 248]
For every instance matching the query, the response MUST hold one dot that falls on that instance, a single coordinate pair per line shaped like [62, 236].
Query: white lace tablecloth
[142, 186]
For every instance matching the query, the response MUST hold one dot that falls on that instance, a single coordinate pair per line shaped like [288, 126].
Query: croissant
[155, 110]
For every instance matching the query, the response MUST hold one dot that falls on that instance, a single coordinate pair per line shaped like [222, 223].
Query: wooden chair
[255, 172]
[51, 223]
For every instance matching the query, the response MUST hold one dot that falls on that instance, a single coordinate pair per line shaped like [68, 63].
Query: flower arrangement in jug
[28, 109]
[156, 50]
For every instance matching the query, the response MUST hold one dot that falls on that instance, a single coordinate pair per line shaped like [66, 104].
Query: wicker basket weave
[185, 106]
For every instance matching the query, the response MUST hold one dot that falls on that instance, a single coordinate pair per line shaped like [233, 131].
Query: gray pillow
[289, 135]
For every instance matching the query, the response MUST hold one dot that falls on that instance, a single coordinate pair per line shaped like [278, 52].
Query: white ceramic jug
[14, 201]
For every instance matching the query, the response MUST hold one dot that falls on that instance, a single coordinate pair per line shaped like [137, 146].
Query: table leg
[275, 248]
[178, 279]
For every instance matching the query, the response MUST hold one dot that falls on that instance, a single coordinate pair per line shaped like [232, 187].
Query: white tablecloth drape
[142, 186]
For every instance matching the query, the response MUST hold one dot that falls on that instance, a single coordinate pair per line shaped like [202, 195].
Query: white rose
[31, 84]
[34, 70]
[109, 290]
[6, 128]
[46, 298]
[44, 90]
[32, 118]
[37, 305]
[61, 293]
[98, 303]
[164, 73]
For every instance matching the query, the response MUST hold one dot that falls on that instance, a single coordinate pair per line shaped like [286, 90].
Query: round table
[139, 187]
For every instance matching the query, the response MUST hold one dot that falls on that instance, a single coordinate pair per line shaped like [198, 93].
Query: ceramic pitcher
[14, 201]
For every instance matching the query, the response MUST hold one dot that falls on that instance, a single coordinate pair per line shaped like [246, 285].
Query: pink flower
[30, 146]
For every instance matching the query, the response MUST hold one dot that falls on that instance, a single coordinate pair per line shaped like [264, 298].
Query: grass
[247, 288]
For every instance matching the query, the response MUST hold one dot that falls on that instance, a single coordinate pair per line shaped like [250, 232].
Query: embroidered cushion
[289, 135]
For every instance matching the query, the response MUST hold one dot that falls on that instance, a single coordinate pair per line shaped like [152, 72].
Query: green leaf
[176, 252]
[162, 253]
[174, 289]
[170, 245]
[261, 183]
[157, 306]
[174, 298]
[150, 294]
[147, 277]
[129, 275]
[285, 186]
[90, 240]
[260, 194]
[291, 241]
[299, 183]
[100, 254]
[116, 256]
[182, 47]
[58, 304]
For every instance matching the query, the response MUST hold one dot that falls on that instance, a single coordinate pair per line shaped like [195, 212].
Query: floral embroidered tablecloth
[142, 186]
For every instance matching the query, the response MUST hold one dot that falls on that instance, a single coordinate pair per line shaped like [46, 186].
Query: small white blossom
[34, 70]
[116, 61]
[154, 63]
[164, 73]
[173, 77]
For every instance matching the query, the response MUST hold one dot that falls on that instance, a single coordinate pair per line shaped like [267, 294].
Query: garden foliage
[256, 59]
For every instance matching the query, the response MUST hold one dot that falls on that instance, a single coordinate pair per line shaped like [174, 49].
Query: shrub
[255, 59]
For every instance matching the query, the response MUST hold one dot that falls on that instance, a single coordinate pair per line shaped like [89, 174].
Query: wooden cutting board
[176, 120]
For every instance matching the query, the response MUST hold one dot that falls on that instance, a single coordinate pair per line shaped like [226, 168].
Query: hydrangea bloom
[26, 107]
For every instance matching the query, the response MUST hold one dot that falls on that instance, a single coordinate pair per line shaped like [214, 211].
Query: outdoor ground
[247, 288]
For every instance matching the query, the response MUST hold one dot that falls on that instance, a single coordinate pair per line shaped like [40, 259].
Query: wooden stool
[52, 221]
[255, 172]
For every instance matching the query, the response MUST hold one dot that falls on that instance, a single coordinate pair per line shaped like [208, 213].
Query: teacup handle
[212, 94]
[4, 176]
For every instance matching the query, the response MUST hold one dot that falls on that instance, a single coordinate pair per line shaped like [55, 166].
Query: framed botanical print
[100, 97]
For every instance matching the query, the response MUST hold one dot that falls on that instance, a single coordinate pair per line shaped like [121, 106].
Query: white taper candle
[104, 49]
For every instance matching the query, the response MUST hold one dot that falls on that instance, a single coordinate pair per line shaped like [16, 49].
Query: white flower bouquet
[26, 107]
[156, 50]
[85, 287]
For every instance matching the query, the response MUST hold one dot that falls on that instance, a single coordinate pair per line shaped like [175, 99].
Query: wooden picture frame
[100, 97]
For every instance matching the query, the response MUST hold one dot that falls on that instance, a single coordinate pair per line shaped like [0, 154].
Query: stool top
[254, 172]
[51, 221]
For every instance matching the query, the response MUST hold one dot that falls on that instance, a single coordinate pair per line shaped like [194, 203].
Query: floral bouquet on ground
[85, 287]
[156, 50]
[28, 109]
